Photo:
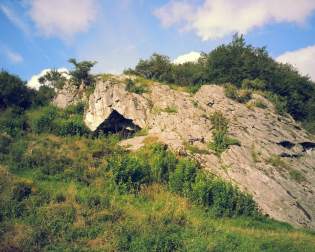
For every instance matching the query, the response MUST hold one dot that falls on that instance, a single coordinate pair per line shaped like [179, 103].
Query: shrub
[260, 104]
[221, 197]
[5, 141]
[133, 88]
[231, 91]
[220, 140]
[41, 120]
[161, 161]
[129, 172]
[297, 176]
[170, 109]
[50, 119]
[244, 95]
[182, 178]
[70, 127]
[255, 84]
[279, 102]
[12, 122]
[21, 190]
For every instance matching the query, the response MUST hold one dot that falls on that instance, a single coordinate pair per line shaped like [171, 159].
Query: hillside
[215, 155]
[273, 159]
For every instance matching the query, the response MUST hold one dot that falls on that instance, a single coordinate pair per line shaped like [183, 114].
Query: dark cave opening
[118, 124]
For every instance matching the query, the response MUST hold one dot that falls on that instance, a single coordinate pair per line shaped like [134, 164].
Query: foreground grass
[79, 208]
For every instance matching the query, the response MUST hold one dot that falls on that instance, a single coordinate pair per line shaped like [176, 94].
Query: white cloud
[189, 57]
[14, 18]
[302, 59]
[63, 18]
[217, 18]
[34, 83]
[12, 56]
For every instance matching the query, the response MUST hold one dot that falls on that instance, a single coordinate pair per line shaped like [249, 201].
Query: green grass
[81, 208]
[297, 176]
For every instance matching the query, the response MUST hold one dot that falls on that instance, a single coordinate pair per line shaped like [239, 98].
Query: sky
[40, 34]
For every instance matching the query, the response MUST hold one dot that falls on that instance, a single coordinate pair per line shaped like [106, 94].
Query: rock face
[275, 161]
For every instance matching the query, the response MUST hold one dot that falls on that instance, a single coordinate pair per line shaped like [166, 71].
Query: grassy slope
[79, 209]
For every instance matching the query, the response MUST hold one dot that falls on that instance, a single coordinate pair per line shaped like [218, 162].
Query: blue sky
[41, 34]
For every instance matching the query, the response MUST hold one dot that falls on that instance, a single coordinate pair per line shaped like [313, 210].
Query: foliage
[54, 79]
[63, 199]
[13, 92]
[13, 122]
[297, 176]
[240, 95]
[81, 73]
[129, 172]
[221, 140]
[134, 88]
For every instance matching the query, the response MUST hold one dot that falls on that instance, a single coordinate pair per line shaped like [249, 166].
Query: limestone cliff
[273, 149]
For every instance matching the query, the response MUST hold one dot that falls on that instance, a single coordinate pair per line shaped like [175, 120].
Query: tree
[54, 79]
[81, 73]
[13, 92]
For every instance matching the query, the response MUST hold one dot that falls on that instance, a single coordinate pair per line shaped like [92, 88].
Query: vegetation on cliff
[245, 67]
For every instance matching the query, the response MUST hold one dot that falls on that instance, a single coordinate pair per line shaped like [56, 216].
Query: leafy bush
[50, 119]
[161, 161]
[12, 122]
[133, 88]
[256, 84]
[220, 140]
[222, 198]
[279, 102]
[231, 91]
[182, 178]
[21, 190]
[129, 172]
[297, 176]
[72, 126]
[42, 120]
[240, 95]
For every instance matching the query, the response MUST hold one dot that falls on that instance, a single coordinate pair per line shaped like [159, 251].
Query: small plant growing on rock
[221, 140]
[170, 109]
[242, 95]
[297, 176]
[133, 88]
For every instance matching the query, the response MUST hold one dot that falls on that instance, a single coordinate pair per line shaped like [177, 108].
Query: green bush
[182, 178]
[161, 161]
[21, 190]
[66, 122]
[220, 139]
[244, 95]
[12, 122]
[133, 88]
[222, 198]
[231, 91]
[42, 120]
[256, 84]
[279, 102]
[129, 172]
[69, 127]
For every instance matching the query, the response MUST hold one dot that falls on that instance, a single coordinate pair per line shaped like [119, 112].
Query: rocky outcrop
[275, 160]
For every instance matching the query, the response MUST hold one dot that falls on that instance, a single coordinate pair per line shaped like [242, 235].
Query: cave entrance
[118, 124]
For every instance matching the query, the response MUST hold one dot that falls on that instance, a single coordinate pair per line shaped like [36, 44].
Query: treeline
[235, 63]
